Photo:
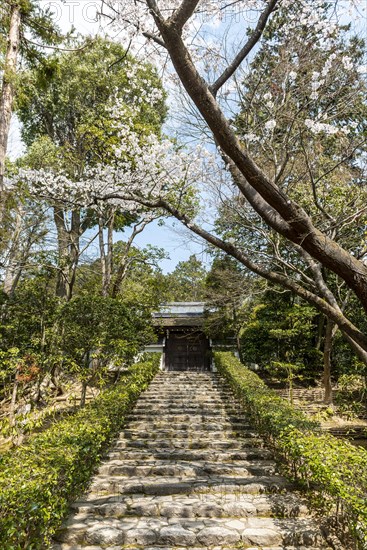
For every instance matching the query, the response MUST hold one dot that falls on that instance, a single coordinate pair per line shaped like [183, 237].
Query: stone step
[167, 393]
[173, 389]
[189, 472]
[65, 546]
[179, 396]
[176, 388]
[185, 469]
[212, 426]
[175, 485]
[249, 453]
[192, 415]
[186, 378]
[181, 387]
[178, 408]
[204, 416]
[190, 443]
[211, 404]
[165, 433]
[195, 506]
[211, 532]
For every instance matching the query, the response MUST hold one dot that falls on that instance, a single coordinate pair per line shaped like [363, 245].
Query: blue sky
[177, 244]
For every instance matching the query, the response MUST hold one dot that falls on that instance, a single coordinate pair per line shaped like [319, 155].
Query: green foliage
[64, 105]
[69, 335]
[38, 480]
[96, 323]
[335, 470]
[30, 313]
[187, 282]
[227, 291]
[8, 363]
[280, 330]
[38, 29]
[272, 414]
[351, 396]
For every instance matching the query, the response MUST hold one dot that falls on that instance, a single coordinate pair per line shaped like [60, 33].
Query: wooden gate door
[187, 351]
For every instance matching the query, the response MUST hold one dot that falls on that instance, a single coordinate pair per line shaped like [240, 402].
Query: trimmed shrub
[335, 469]
[38, 480]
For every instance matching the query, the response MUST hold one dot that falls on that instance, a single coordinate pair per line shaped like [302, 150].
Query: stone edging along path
[189, 472]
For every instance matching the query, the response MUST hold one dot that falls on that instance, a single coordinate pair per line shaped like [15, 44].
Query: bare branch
[243, 53]
[314, 190]
[124, 263]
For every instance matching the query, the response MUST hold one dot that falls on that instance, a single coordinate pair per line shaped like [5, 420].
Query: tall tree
[186, 283]
[257, 184]
[28, 29]
[67, 105]
[157, 177]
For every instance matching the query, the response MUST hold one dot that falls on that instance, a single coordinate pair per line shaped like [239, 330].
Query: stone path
[189, 472]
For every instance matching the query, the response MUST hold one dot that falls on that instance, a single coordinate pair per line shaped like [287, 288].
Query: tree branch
[243, 53]
[330, 254]
[265, 211]
[320, 303]
[154, 38]
[183, 14]
[124, 264]
[154, 10]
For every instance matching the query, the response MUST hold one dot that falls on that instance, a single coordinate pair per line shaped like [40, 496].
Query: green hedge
[335, 469]
[38, 480]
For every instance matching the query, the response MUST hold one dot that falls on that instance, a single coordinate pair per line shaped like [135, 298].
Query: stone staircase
[188, 471]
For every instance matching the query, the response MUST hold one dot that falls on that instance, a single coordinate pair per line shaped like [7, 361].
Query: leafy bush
[38, 480]
[335, 469]
[351, 396]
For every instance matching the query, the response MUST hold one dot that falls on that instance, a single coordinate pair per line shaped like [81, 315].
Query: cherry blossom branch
[247, 48]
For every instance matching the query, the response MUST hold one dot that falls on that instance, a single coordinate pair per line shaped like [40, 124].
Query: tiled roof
[180, 309]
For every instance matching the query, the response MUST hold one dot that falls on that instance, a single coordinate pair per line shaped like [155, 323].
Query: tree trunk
[7, 92]
[328, 343]
[74, 250]
[14, 268]
[120, 276]
[109, 255]
[102, 254]
[279, 210]
[68, 241]
[62, 244]
[106, 256]
[83, 393]
[320, 330]
[14, 398]
[54, 375]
